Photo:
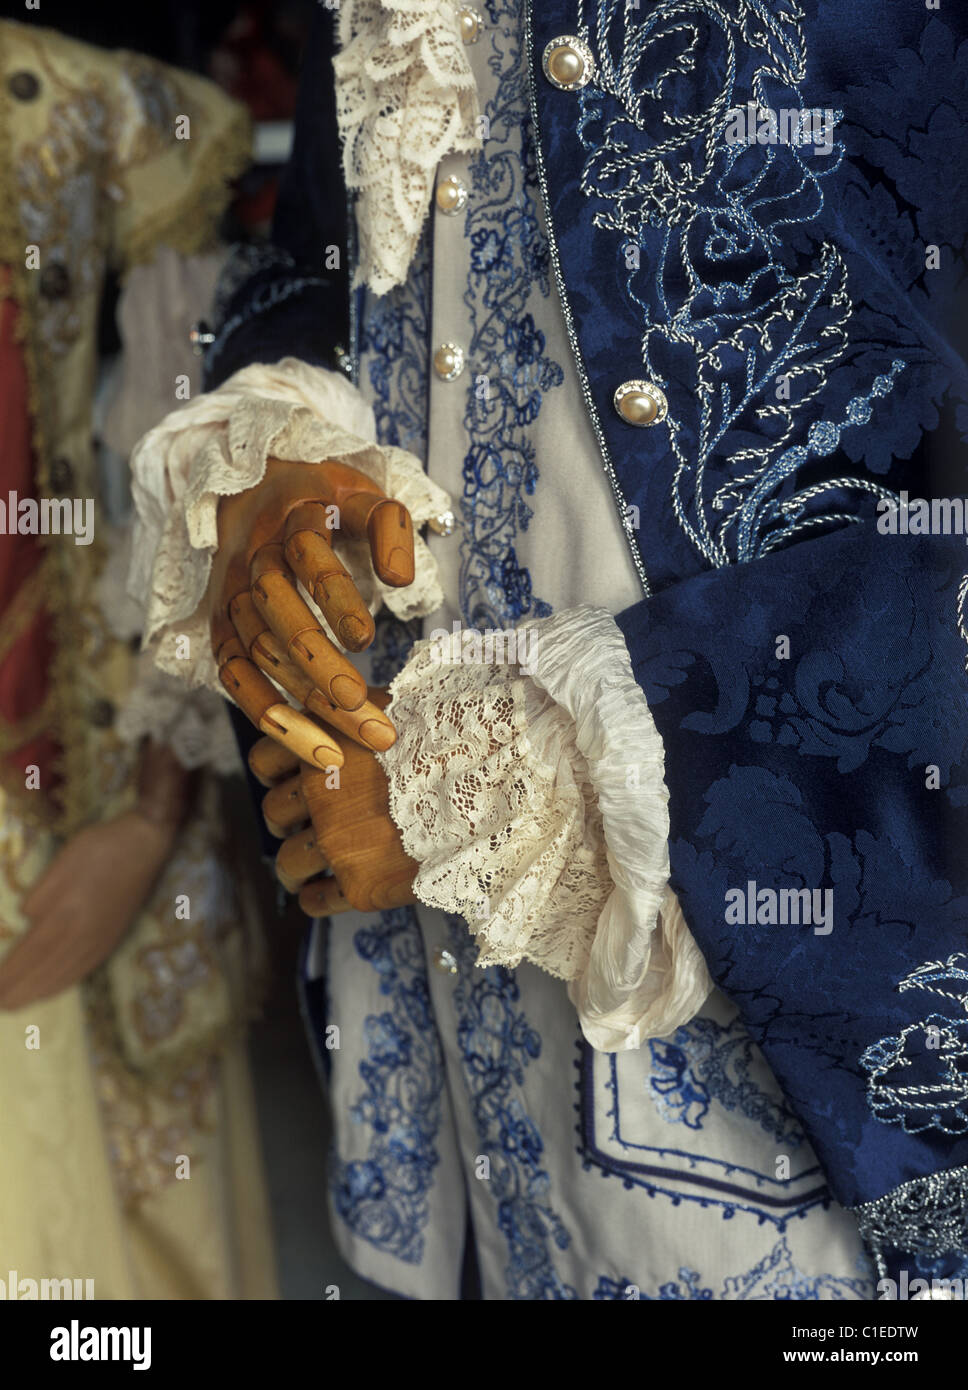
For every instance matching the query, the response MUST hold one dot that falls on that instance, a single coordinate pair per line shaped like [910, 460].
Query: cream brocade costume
[107, 1088]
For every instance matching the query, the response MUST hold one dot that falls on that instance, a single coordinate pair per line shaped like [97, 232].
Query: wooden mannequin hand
[345, 828]
[83, 904]
[270, 536]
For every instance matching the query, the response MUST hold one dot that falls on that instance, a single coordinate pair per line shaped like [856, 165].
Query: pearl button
[567, 63]
[445, 961]
[640, 403]
[451, 195]
[471, 24]
[449, 361]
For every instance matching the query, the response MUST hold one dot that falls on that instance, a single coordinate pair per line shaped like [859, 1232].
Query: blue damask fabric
[779, 295]
[813, 770]
[800, 309]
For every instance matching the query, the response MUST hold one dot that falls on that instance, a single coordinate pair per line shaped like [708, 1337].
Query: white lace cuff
[217, 446]
[527, 783]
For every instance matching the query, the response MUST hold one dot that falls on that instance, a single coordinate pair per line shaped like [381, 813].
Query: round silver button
[451, 195]
[640, 403]
[567, 63]
[445, 961]
[471, 24]
[443, 524]
[449, 361]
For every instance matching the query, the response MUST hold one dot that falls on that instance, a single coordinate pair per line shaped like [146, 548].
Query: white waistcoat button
[451, 195]
[444, 524]
[567, 63]
[445, 961]
[640, 403]
[471, 24]
[449, 361]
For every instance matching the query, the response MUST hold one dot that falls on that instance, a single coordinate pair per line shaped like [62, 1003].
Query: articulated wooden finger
[322, 898]
[284, 808]
[306, 645]
[270, 761]
[247, 620]
[298, 860]
[310, 554]
[303, 736]
[259, 701]
[271, 656]
[368, 726]
[353, 828]
[386, 524]
[390, 533]
[248, 687]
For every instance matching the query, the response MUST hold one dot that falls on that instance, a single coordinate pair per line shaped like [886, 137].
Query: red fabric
[25, 667]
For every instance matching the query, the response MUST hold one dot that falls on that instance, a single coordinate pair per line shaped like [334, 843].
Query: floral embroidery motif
[383, 1198]
[394, 346]
[774, 1277]
[702, 1063]
[919, 1077]
[687, 1171]
[511, 368]
[728, 318]
[496, 1044]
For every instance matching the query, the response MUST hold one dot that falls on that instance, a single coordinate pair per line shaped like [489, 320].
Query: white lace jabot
[405, 98]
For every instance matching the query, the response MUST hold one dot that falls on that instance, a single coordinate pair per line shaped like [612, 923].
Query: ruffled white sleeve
[527, 783]
[217, 446]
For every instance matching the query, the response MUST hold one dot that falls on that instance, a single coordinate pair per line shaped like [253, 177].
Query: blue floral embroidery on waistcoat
[510, 366]
[743, 317]
[496, 1044]
[704, 1062]
[686, 1172]
[919, 1077]
[383, 1198]
[775, 1277]
[394, 352]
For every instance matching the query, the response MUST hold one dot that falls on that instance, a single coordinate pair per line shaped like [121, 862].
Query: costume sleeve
[756, 778]
[290, 298]
[814, 710]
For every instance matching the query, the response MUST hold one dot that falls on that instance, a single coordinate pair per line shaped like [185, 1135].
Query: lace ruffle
[405, 98]
[217, 447]
[533, 801]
